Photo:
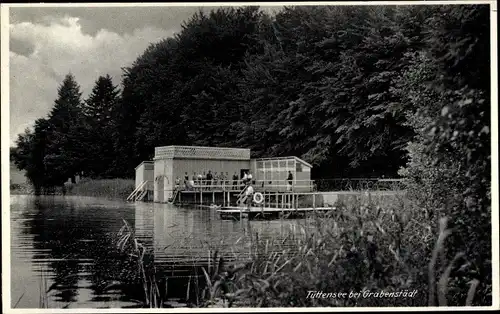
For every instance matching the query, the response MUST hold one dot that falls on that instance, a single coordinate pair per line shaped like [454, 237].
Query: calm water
[70, 244]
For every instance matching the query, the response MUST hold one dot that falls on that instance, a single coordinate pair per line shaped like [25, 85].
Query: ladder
[242, 197]
[141, 196]
[174, 196]
[138, 192]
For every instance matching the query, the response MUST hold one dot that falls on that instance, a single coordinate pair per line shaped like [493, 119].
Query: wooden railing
[359, 184]
[320, 185]
[239, 185]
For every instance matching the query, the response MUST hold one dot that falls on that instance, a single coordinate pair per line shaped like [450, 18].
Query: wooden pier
[254, 212]
[230, 201]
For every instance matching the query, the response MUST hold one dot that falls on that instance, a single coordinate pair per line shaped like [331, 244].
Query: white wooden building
[172, 162]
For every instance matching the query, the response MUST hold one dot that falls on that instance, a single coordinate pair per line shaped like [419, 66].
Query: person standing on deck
[194, 179]
[249, 195]
[177, 183]
[186, 181]
[199, 180]
[249, 177]
[245, 178]
[290, 181]
[209, 178]
[235, 181]
[222, 180]
[216, 176]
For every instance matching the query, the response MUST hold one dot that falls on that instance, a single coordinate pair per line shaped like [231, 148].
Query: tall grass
[107, 188]
[365, 245]
[130, 245]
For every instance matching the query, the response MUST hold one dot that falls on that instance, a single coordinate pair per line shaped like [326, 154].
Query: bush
[448, 173]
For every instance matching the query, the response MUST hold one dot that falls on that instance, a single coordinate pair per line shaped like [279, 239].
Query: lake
[66, 247]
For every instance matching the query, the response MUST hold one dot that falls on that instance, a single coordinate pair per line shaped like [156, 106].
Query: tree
[448, 172]
[66, 150]
[30, 153]
[99, 110]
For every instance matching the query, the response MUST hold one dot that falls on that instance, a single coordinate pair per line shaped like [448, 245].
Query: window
[298, 167]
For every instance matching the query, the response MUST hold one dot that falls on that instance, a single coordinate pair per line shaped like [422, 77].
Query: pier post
[201, 196]
[277, 200]
[314, 200]
[213, 197]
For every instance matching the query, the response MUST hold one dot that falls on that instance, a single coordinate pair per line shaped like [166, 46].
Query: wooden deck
[255, 209]
[235, 212]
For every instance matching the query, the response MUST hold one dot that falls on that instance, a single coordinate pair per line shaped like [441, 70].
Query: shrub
[360, 247]
[448, 173]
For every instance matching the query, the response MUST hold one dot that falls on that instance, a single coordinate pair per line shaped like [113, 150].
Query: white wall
[139, 175]
[144, 173]
[163, 182]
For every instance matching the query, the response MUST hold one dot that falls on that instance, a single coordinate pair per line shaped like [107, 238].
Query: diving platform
[259, 212]
[224, 196]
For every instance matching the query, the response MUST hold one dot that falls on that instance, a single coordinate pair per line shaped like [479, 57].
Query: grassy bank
[106, 188]
[364, 248]
[21, 189]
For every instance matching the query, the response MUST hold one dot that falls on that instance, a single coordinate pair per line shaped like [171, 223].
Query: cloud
[120, 20]
[43, 53]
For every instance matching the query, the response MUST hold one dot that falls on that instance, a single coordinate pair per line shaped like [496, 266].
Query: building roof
[202, 152]
[144, 162]
[286, 158]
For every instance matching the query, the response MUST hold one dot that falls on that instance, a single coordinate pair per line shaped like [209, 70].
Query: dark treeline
[337, 86]
[356, 91]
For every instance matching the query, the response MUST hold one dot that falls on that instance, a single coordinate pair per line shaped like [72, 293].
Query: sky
[46, 43]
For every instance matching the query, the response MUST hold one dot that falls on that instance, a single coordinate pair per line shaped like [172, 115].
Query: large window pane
[268, 176]
[298, 167]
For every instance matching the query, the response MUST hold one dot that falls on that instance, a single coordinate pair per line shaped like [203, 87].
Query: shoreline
[112, 189]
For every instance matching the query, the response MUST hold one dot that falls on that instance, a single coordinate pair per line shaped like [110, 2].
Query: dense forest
[345, 88]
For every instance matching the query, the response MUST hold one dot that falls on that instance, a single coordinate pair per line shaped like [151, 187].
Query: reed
[366, 245]
[43, 298]
[130, 245]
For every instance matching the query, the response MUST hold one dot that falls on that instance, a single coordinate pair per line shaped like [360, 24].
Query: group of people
[209, 180]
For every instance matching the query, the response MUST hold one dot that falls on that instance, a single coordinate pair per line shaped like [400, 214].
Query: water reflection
[71, 243]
